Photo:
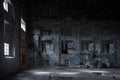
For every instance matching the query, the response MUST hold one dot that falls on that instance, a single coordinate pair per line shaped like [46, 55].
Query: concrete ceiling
[75, 9]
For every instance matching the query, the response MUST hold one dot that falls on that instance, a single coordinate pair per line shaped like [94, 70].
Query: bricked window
[86, 46]
[6, 49]
[66, 46]
[107, 47]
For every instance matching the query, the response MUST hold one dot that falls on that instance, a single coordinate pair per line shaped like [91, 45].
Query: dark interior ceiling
[75, 9]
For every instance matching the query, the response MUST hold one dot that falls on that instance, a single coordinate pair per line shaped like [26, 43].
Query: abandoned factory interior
[59, 40]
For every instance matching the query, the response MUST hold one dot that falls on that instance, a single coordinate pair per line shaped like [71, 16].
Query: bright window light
[6, 49]
[5, 5]
[23, 26]
[42, 73]
[68, 73]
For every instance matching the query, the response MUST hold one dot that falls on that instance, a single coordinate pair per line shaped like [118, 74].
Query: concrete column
[57, 48]
[36, 48]
[36, 41]
[117, 52]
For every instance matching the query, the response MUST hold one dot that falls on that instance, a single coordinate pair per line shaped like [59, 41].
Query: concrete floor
[62, 73]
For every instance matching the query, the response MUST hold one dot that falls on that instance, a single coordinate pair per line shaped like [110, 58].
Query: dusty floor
[60, 73]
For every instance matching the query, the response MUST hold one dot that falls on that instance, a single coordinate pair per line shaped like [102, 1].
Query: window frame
[23, 25]
[6, 6]
[6, 49]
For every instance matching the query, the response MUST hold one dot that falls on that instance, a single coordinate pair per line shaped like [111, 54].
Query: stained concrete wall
[52, 50]
[24, 57]
[77, 32]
